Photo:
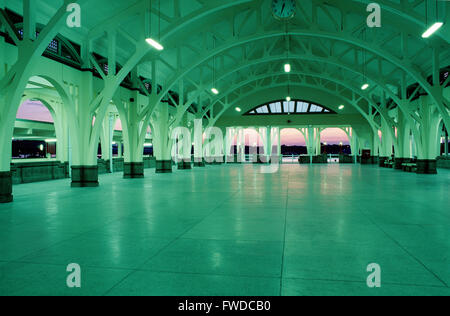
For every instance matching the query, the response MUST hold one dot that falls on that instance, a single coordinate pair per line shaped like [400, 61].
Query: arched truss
[336, 22]
[59, 48]
[259, 87]
[354, 102]
[379, 79]
[324, 75]
[293, 107]
[409, 15]
[395, 63]
[356, 91]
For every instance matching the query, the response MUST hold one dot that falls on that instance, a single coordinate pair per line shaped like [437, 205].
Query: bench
[409, 167]
[389, 164]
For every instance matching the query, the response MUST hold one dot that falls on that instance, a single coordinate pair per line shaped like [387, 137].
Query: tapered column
[198, 143]
[162, 142]
[119, 150]
[6, 187]
[428, 150]
[446, 143]
[134, 131]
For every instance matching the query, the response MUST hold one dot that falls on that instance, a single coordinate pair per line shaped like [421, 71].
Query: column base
[234, 159]
[184, 165]
[427, 166]
[219, 160]
[84, 177]
[398, 163]
[6, 187]
[163, 166]
[322, 159]
[133, 170]
[346, 159]
[381, 161]
[261, 159]
[304, 160]
[199, 164]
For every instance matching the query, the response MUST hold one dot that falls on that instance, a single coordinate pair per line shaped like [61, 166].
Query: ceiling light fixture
[154, 44]
[436, 26]
[432, 29]
[150, 40]
[365, 86]
[287, 68]
[341, 107]
[238, 109]
[214, 78]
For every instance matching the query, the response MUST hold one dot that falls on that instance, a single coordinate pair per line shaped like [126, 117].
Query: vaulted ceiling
[238, 47]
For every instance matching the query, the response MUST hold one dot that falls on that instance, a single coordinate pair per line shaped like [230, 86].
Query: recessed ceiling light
[154, 44]
[365, 86]
[341, 107]
[238, 109]
[436, 26]
[288, 99]
[215, 91]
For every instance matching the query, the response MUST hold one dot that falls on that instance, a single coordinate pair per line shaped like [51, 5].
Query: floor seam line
[168, 245]
[284, 239]
[409, 253]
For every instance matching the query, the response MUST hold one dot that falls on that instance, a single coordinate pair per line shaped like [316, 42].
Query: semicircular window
[297, 107]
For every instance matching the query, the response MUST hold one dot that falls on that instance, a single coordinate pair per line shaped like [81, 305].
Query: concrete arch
[265, 76]
[67, 111]
[58, 121]
[371, 122]
[373, 127]
[250, 63]
[321, 34]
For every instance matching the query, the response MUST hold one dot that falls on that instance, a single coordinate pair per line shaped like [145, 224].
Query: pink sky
[332, 136]
[36, 111]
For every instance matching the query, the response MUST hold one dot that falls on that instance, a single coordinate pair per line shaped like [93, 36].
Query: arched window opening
[293, 145]
[34, 132]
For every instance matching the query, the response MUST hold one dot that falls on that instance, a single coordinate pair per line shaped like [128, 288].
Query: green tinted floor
[231, 230]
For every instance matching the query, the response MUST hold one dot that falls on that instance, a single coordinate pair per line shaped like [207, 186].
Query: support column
[110, 149]
[446, 143]
[119, 150]
[85, 145]
[403, 149]
[241, 145]
[133, 170]
[162, 142]
[429, 134]
[278, 131]
[199, 161]
[5, 161]
[133, 130]
[85, 176]
[386, 143]
[229, 136]
[266, 135]
[6, 187]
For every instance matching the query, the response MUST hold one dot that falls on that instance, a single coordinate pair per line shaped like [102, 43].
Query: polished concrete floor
[231, 230]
